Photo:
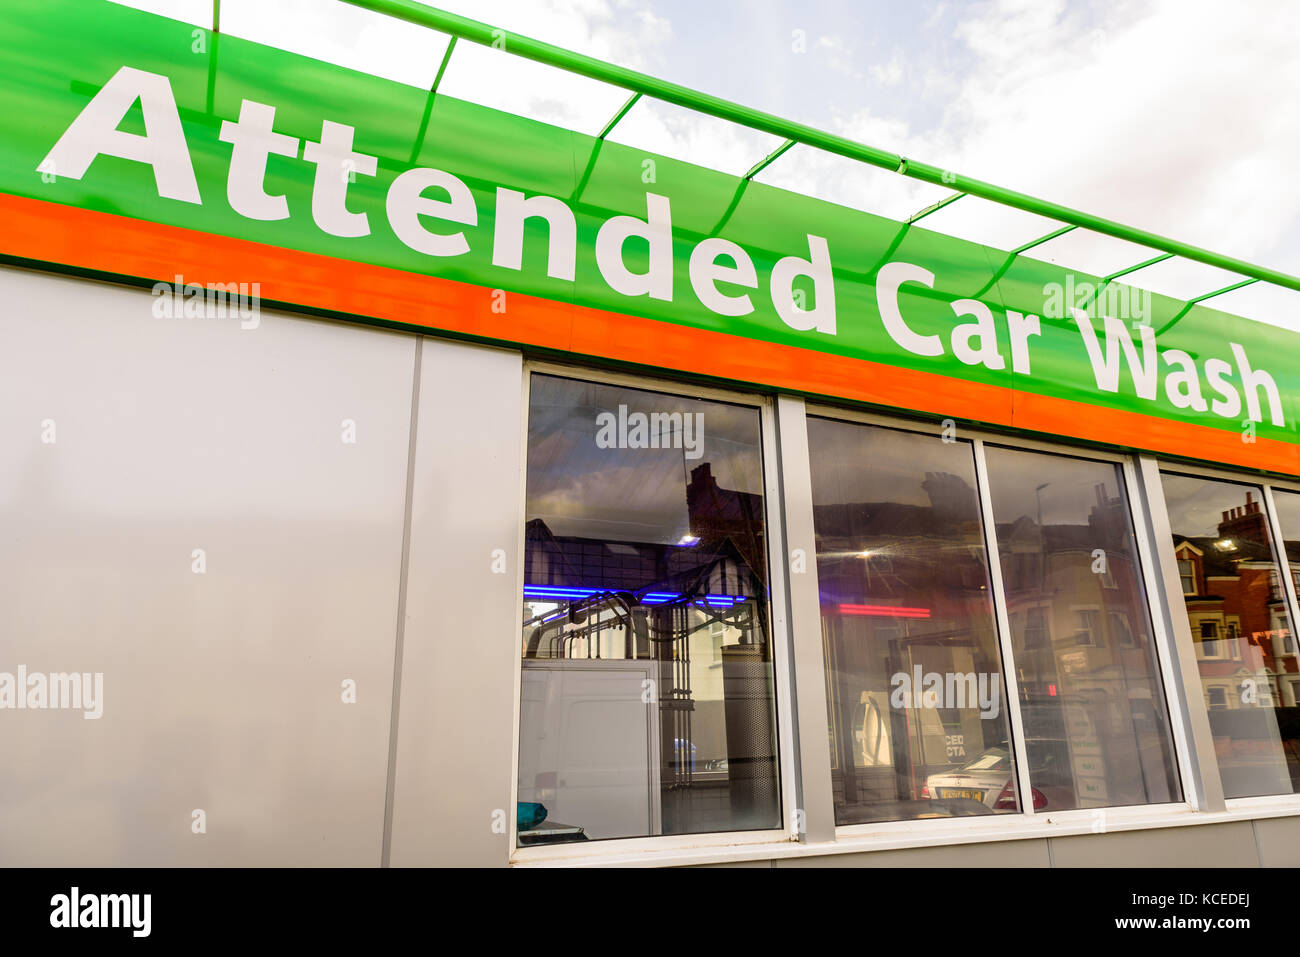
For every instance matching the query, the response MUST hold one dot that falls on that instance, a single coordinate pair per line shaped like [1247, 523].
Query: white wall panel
[221, 690]
[453, 796]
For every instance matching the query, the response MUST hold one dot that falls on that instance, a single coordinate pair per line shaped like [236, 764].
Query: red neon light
[885, 611]
[1051, 690]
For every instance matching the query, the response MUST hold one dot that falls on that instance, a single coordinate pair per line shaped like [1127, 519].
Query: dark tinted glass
[1245, 649]
[917, 720]
[1096, 724]
[647, 697]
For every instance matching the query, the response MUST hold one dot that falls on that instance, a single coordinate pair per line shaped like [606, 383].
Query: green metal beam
[674, 93]
[935, 207]
[768, 160]
[212, 55]
[1187, 307]
[1042, 239]
[428, 100]
[609, 127]
[1011, 257]
[745, 180]
[442, 67]
[1220, 292]
[600, 141]
[1107, 280]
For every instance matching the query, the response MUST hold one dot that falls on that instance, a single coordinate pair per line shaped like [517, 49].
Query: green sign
[110, 109]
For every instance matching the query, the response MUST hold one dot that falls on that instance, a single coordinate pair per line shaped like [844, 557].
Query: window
[1087, 624]
[916, 704]
[1255, 737]
[644, 547]
[1119, 628]
[1038, 631]
[1209, 639]
[1096, 724]
[1187, 571]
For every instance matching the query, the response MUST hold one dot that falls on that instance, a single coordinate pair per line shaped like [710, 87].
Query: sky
[1181, 117]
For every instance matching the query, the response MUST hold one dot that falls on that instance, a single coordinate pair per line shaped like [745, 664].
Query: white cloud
[1159, 116]
[890, 73]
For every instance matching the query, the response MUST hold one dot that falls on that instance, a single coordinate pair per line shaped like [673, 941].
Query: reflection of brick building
[696, 604]
[1078, 616]
[1237, 611]
[722, 554]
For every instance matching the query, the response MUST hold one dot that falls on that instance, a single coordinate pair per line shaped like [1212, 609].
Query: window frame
[1157, 613]
[788, 521]
[782, 672]
[1266, 482]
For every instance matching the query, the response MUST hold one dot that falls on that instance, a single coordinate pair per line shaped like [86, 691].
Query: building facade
[459, 495]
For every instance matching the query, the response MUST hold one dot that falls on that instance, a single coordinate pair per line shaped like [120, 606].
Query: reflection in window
[1239, 624]
[1252, 691]
[1096, 724]
[647, 703]
[917, 717]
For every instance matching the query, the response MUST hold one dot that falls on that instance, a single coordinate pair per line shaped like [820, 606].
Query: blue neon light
[570, 593]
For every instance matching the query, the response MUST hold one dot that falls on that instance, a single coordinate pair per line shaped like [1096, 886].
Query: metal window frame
[805, 636]
[1156, 613]
[1266, 484]
[1197, 765]
[799, 664]
[1002, 616]
[778, 609]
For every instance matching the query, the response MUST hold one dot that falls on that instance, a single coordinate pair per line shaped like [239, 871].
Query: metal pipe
[1011, 257]
[1131, 269]
[428, 100]
[1187, 306]
[674, 93]
[768, 160]
[609, 127]
[934, 208]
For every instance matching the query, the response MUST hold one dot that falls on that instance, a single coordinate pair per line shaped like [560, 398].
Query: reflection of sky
[619, 494]
[1288, 514]
[1068, 486]
[855, 463]
[1196, 505]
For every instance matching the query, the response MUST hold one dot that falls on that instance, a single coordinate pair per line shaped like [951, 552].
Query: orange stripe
[86, 239]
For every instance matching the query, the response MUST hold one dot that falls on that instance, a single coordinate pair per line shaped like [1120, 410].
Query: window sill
[865, 838]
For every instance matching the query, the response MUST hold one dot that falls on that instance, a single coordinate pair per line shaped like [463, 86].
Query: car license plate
[961, 793]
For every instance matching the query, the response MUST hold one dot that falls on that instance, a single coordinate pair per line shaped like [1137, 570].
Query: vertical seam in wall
[1051, 862]
[386, 852]
[1254, 831]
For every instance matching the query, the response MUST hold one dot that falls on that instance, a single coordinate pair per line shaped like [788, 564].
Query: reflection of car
[870, 813]
[987, 779]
